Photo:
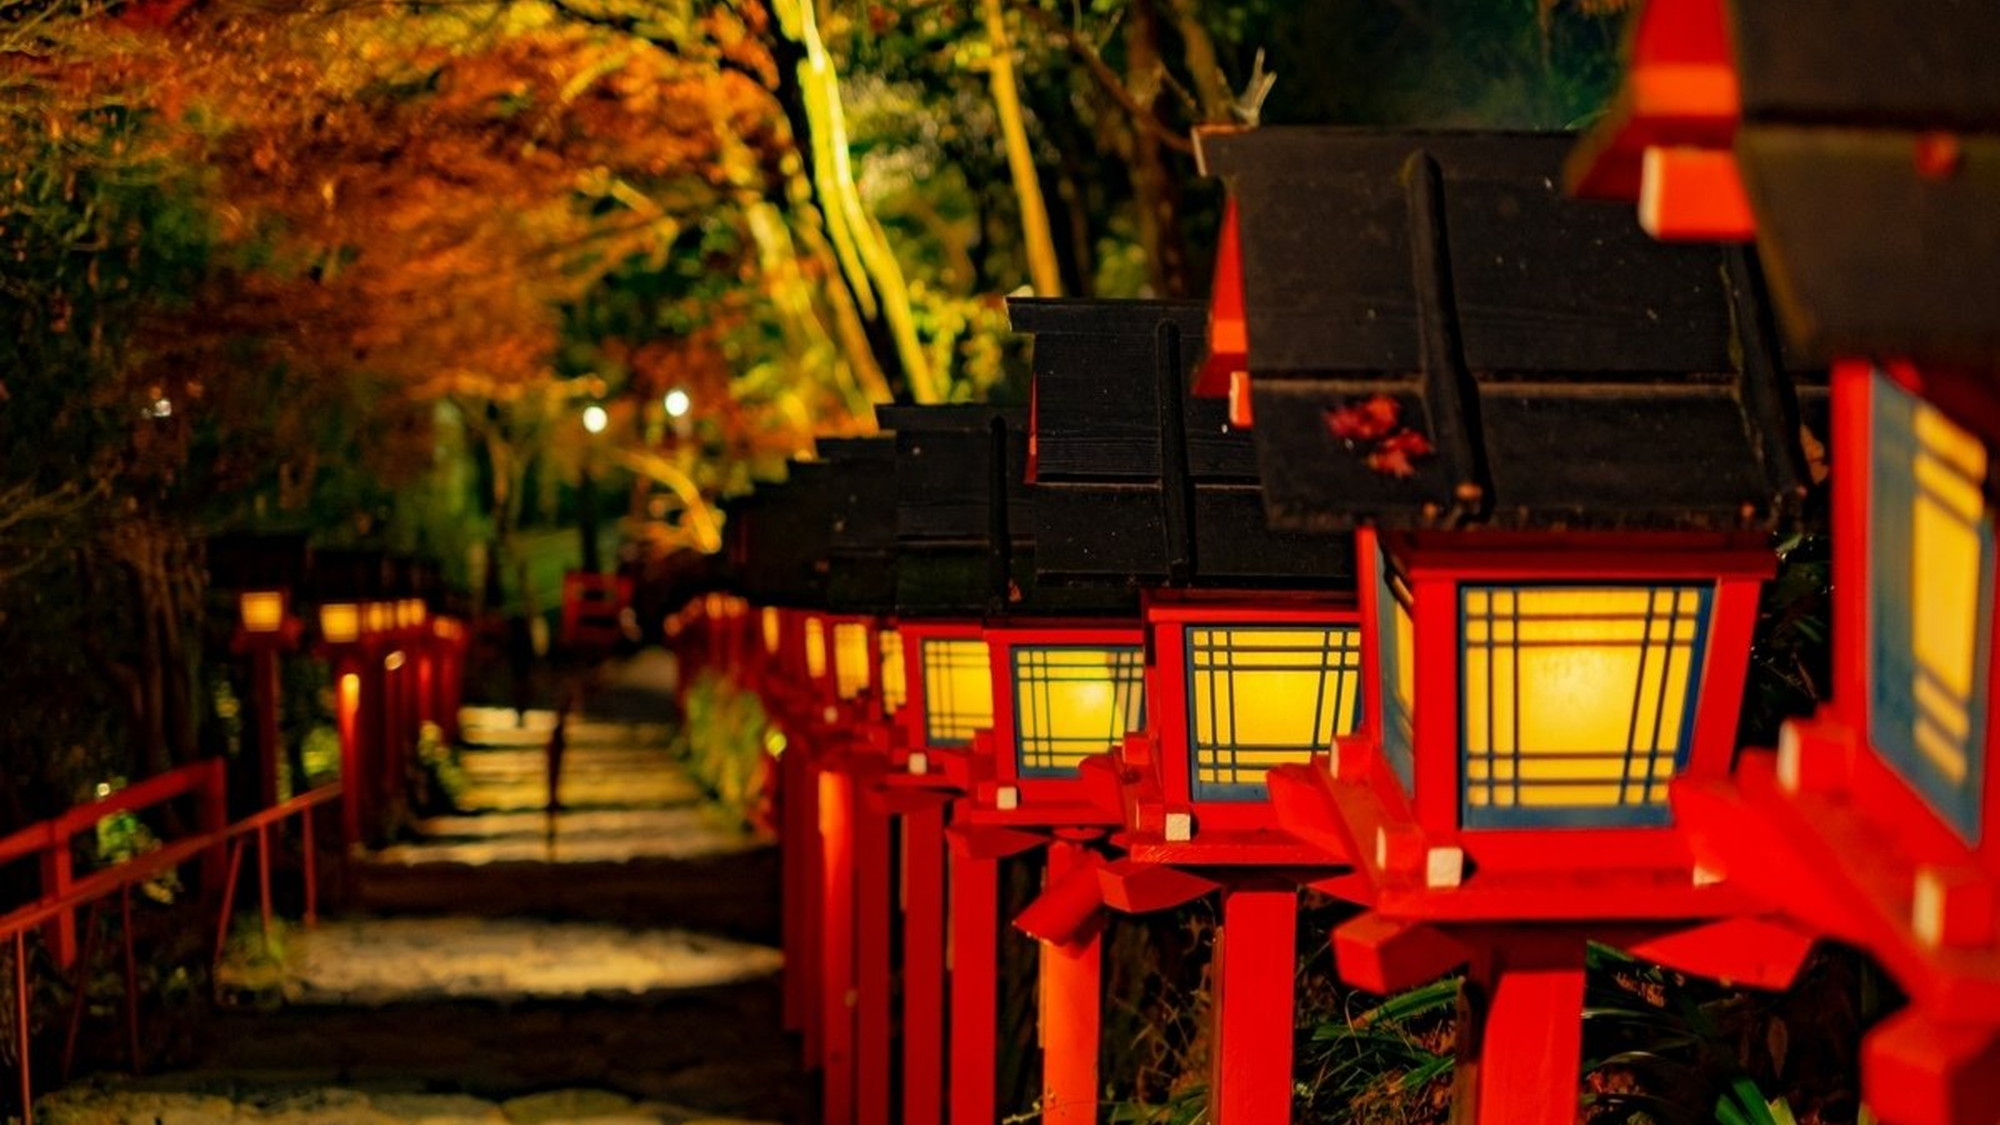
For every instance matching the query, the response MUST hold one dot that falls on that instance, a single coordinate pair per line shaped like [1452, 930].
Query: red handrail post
[212, 791]
[57, 872]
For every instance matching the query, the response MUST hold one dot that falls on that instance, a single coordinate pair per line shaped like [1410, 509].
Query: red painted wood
[923, 965]
[1752, 951]
[1917, 1069]
[1070, 907]
[1385, 955]
[1434, 706]
[1071, 980]
[1526, 1044]
[1732, 622]
[1228, 328]
[837, 944]
[874, 879]
[1141, 888]
[1255, 950]
[974, 928]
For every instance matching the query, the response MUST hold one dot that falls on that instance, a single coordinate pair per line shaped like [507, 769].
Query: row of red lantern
[996, 743]
[396, 667]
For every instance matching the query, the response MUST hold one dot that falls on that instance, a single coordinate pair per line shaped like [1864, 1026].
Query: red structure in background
[1872, 822]
[265, 631]
[593, 609]
[1556, 614]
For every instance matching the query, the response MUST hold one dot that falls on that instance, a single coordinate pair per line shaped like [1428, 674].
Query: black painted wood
[1138, 483]
[1561, 368]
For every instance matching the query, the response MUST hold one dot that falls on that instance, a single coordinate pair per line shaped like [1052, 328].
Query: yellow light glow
[851, 657]
[263, 611]
[394, 660]
[815, 648]
[1577, 696]
[340, 623]
[895, 687]
[773, 630]
[418, 612]
[1072, 702]
[958, 690]
[1944, 591]
[1265, 696]
[379, 617]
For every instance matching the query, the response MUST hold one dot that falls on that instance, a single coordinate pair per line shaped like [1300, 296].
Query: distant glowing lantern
[677, 403]
[262, 611]
[771, 623]
[419, 612]
[958, 690]
[1072, 701]
[851, 659]
[595, 419]
[815, 647]
[1263, 695]
[394, 660]
[895, 691]
[340, 622]
[380, 617]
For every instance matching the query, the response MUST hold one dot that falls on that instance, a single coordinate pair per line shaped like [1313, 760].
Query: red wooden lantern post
[266, 630]
[341, 638]
[1138, 484]
[1557, 615]
[1872, 822]
[1063, 691]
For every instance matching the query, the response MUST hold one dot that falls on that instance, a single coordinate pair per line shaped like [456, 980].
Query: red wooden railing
[217, 843]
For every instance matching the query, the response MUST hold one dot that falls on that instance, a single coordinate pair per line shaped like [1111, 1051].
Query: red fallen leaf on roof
[1393, 454]
[1371, 419]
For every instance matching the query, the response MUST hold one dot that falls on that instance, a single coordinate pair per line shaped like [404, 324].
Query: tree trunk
[1155, 192]
[1043, 270]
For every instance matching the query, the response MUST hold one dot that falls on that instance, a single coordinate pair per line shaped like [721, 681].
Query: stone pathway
[612, 965]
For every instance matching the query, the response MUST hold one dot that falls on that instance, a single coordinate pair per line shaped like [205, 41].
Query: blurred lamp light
[340, 622]
[677, 403]
[850, 659]
[594, 418]
[895, 691]
[773, 629]
[815, 648]
[263, 611]
[381, 617]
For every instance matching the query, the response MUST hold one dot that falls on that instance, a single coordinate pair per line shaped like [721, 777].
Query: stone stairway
[612, 965]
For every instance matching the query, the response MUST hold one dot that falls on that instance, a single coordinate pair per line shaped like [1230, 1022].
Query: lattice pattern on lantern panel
[1931, 568]
[895, 689]
[958, 691]
[1577, 702]
[1263, 696]
[1071, 702]
[772, 625]
[815, 647]
[851, 657]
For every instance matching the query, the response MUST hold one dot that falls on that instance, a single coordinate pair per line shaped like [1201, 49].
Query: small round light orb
[677, 403]
[594, 418]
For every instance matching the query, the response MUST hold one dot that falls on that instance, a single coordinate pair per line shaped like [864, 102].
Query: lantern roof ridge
[1043, 316]
[1441, 338]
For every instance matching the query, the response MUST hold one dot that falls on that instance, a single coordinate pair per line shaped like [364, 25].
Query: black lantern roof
[1439, 337]
[861, 575]
[1135, 480]
[965, 518]
[779, 550]
[1870, 148]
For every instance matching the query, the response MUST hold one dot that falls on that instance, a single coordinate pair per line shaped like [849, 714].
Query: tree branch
[1108, 79]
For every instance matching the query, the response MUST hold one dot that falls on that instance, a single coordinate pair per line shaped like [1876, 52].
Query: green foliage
[725, 738]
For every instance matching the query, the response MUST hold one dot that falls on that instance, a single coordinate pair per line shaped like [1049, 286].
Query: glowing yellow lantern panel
[851, 656]
[263, 611]
[1072, 702]
[340, 623]
[1263, 696]
[958, 690]
[1930, 567]
[895, 691]
[771, 625]
[1577, 702]
[815, 648]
